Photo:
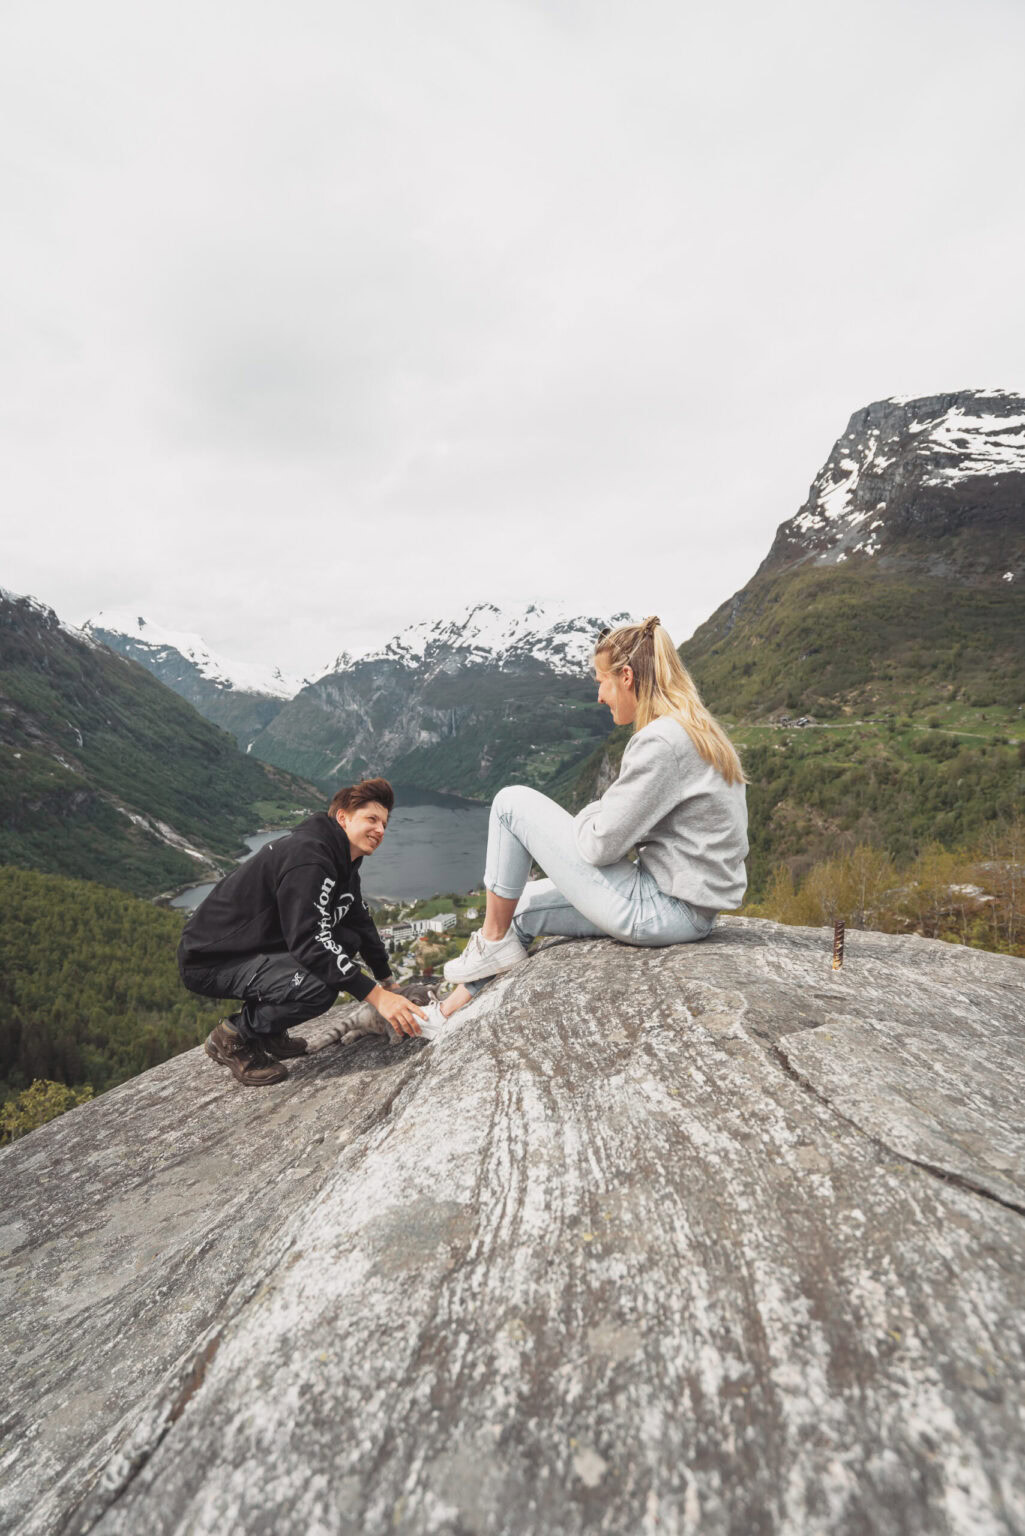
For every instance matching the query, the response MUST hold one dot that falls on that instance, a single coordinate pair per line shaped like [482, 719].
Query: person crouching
[282, 931]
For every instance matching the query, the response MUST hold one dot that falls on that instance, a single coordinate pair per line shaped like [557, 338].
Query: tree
[35, 1105]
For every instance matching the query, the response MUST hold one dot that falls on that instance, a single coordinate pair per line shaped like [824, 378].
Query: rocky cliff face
[938, 480]
[899, 585]
[465, 706]
[707, 1239]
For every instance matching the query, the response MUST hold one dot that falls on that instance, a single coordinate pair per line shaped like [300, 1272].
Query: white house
[439, 924]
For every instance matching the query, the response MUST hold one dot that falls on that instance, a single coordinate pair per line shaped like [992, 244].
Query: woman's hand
[398, 1010]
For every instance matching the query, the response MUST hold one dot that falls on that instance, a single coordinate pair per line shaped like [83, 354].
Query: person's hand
[401, 1014]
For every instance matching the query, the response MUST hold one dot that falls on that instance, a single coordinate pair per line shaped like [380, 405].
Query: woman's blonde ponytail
[665, 687]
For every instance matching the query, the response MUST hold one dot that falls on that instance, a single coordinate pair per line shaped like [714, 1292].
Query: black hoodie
[299, 896]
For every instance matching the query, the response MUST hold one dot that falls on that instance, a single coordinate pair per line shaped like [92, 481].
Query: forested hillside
[855, 639]
[89, 987]
[898, 783]
[239, 697]
[973, 894]
[108, 775]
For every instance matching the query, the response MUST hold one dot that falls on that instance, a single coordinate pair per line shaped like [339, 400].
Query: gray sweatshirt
[688, 825]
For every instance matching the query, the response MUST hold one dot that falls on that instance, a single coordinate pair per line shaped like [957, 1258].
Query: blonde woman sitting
[679, 800]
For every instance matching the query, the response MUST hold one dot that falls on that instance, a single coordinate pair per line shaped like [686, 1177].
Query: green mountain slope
[942, 772]
[200, 678]
[107, 774]
[835, 641]
[891, 611]
[898, 785]
[89, 988]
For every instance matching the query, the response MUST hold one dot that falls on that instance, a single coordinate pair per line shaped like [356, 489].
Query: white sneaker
[433, 1022]
[485, 957]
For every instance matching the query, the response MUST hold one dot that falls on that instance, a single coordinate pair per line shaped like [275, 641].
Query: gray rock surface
[698, 1240]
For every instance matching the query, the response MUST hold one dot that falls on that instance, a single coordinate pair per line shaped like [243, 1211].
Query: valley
[888, 615]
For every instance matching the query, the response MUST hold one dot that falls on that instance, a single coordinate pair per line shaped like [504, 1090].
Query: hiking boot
[246, 1062]
[282, 1047]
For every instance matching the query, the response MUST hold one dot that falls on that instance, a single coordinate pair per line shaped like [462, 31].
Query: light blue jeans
[578, 900]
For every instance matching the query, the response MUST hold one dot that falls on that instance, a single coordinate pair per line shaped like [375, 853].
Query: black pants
[276, 992]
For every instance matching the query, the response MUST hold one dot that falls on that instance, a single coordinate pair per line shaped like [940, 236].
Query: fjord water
[191, 897]
[434, 843]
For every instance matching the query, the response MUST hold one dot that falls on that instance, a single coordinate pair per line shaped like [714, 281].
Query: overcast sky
[319, 318]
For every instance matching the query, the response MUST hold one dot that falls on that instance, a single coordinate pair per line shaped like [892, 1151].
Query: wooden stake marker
[838, 933]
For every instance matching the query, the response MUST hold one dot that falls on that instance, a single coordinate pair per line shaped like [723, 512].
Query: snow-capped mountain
[914, 472]
[902, 578]
[486, 635]
[241, 696]
[379, 705]
[152, 644]
[463, 704]
[45, 614]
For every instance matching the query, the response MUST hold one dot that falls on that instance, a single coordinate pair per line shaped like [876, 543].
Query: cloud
[327, 319]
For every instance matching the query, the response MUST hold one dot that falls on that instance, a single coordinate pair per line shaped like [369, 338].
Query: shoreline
[168, 898]
[442, 877]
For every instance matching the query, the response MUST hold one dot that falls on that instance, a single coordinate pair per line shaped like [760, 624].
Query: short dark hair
[366, 792]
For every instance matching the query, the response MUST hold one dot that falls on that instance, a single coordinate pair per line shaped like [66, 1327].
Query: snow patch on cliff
[247, 677]
[489, 635]
[47, 613]
[934, 441]
[981, 444]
